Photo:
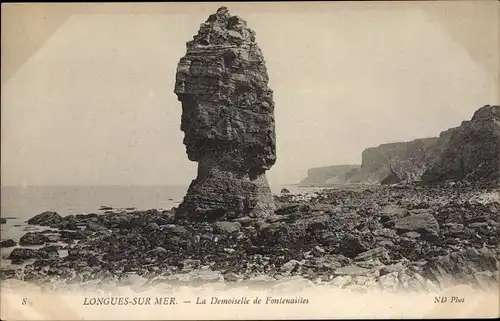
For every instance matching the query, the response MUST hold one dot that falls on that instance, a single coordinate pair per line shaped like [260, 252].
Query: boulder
[76, 235]
[94, 227]
[33, 238]
[375, 253]
[387, 269]
[460, 265]
[420, 223]
[52, 237]
[8, 243]
[292, 209]
[49, 252]
[224, 227]
[392, 212]
[290, 266]
[153, 226]
[21, 254]
[352, 245]
[412, 235]
[45, 219]
[352, 270]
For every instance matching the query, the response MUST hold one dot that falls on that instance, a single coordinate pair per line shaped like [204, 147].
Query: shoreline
[344, 237]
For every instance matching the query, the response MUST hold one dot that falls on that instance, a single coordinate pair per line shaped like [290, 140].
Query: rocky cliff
[227, 119]
[328, 175]
[469, 152]
[398, 162]
[472, 152]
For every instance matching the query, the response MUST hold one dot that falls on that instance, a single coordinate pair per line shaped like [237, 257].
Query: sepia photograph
[250, 160]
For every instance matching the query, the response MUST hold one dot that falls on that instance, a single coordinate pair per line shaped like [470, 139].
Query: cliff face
[398, 162]
[228, 120]
[472, 152]
[328, 175]
[468, 152]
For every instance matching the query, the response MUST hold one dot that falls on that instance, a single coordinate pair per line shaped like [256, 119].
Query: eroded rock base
[220, 195]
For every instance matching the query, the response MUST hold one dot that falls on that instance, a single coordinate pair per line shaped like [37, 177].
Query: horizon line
[109, 185]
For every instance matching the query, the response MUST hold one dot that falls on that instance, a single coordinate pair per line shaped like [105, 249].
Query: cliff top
[223, 29]
[487, 112]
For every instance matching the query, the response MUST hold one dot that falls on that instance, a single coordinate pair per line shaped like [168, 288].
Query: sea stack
[227, 120]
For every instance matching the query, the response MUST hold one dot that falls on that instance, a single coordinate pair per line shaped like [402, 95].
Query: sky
[93, 103]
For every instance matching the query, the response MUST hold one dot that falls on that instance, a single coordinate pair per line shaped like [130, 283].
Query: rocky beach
[396, 237]
[414, 216]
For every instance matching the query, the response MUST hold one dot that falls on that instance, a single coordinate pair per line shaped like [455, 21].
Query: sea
[20, 203]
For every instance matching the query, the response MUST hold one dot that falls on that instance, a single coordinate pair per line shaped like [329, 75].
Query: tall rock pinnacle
[228, 121]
